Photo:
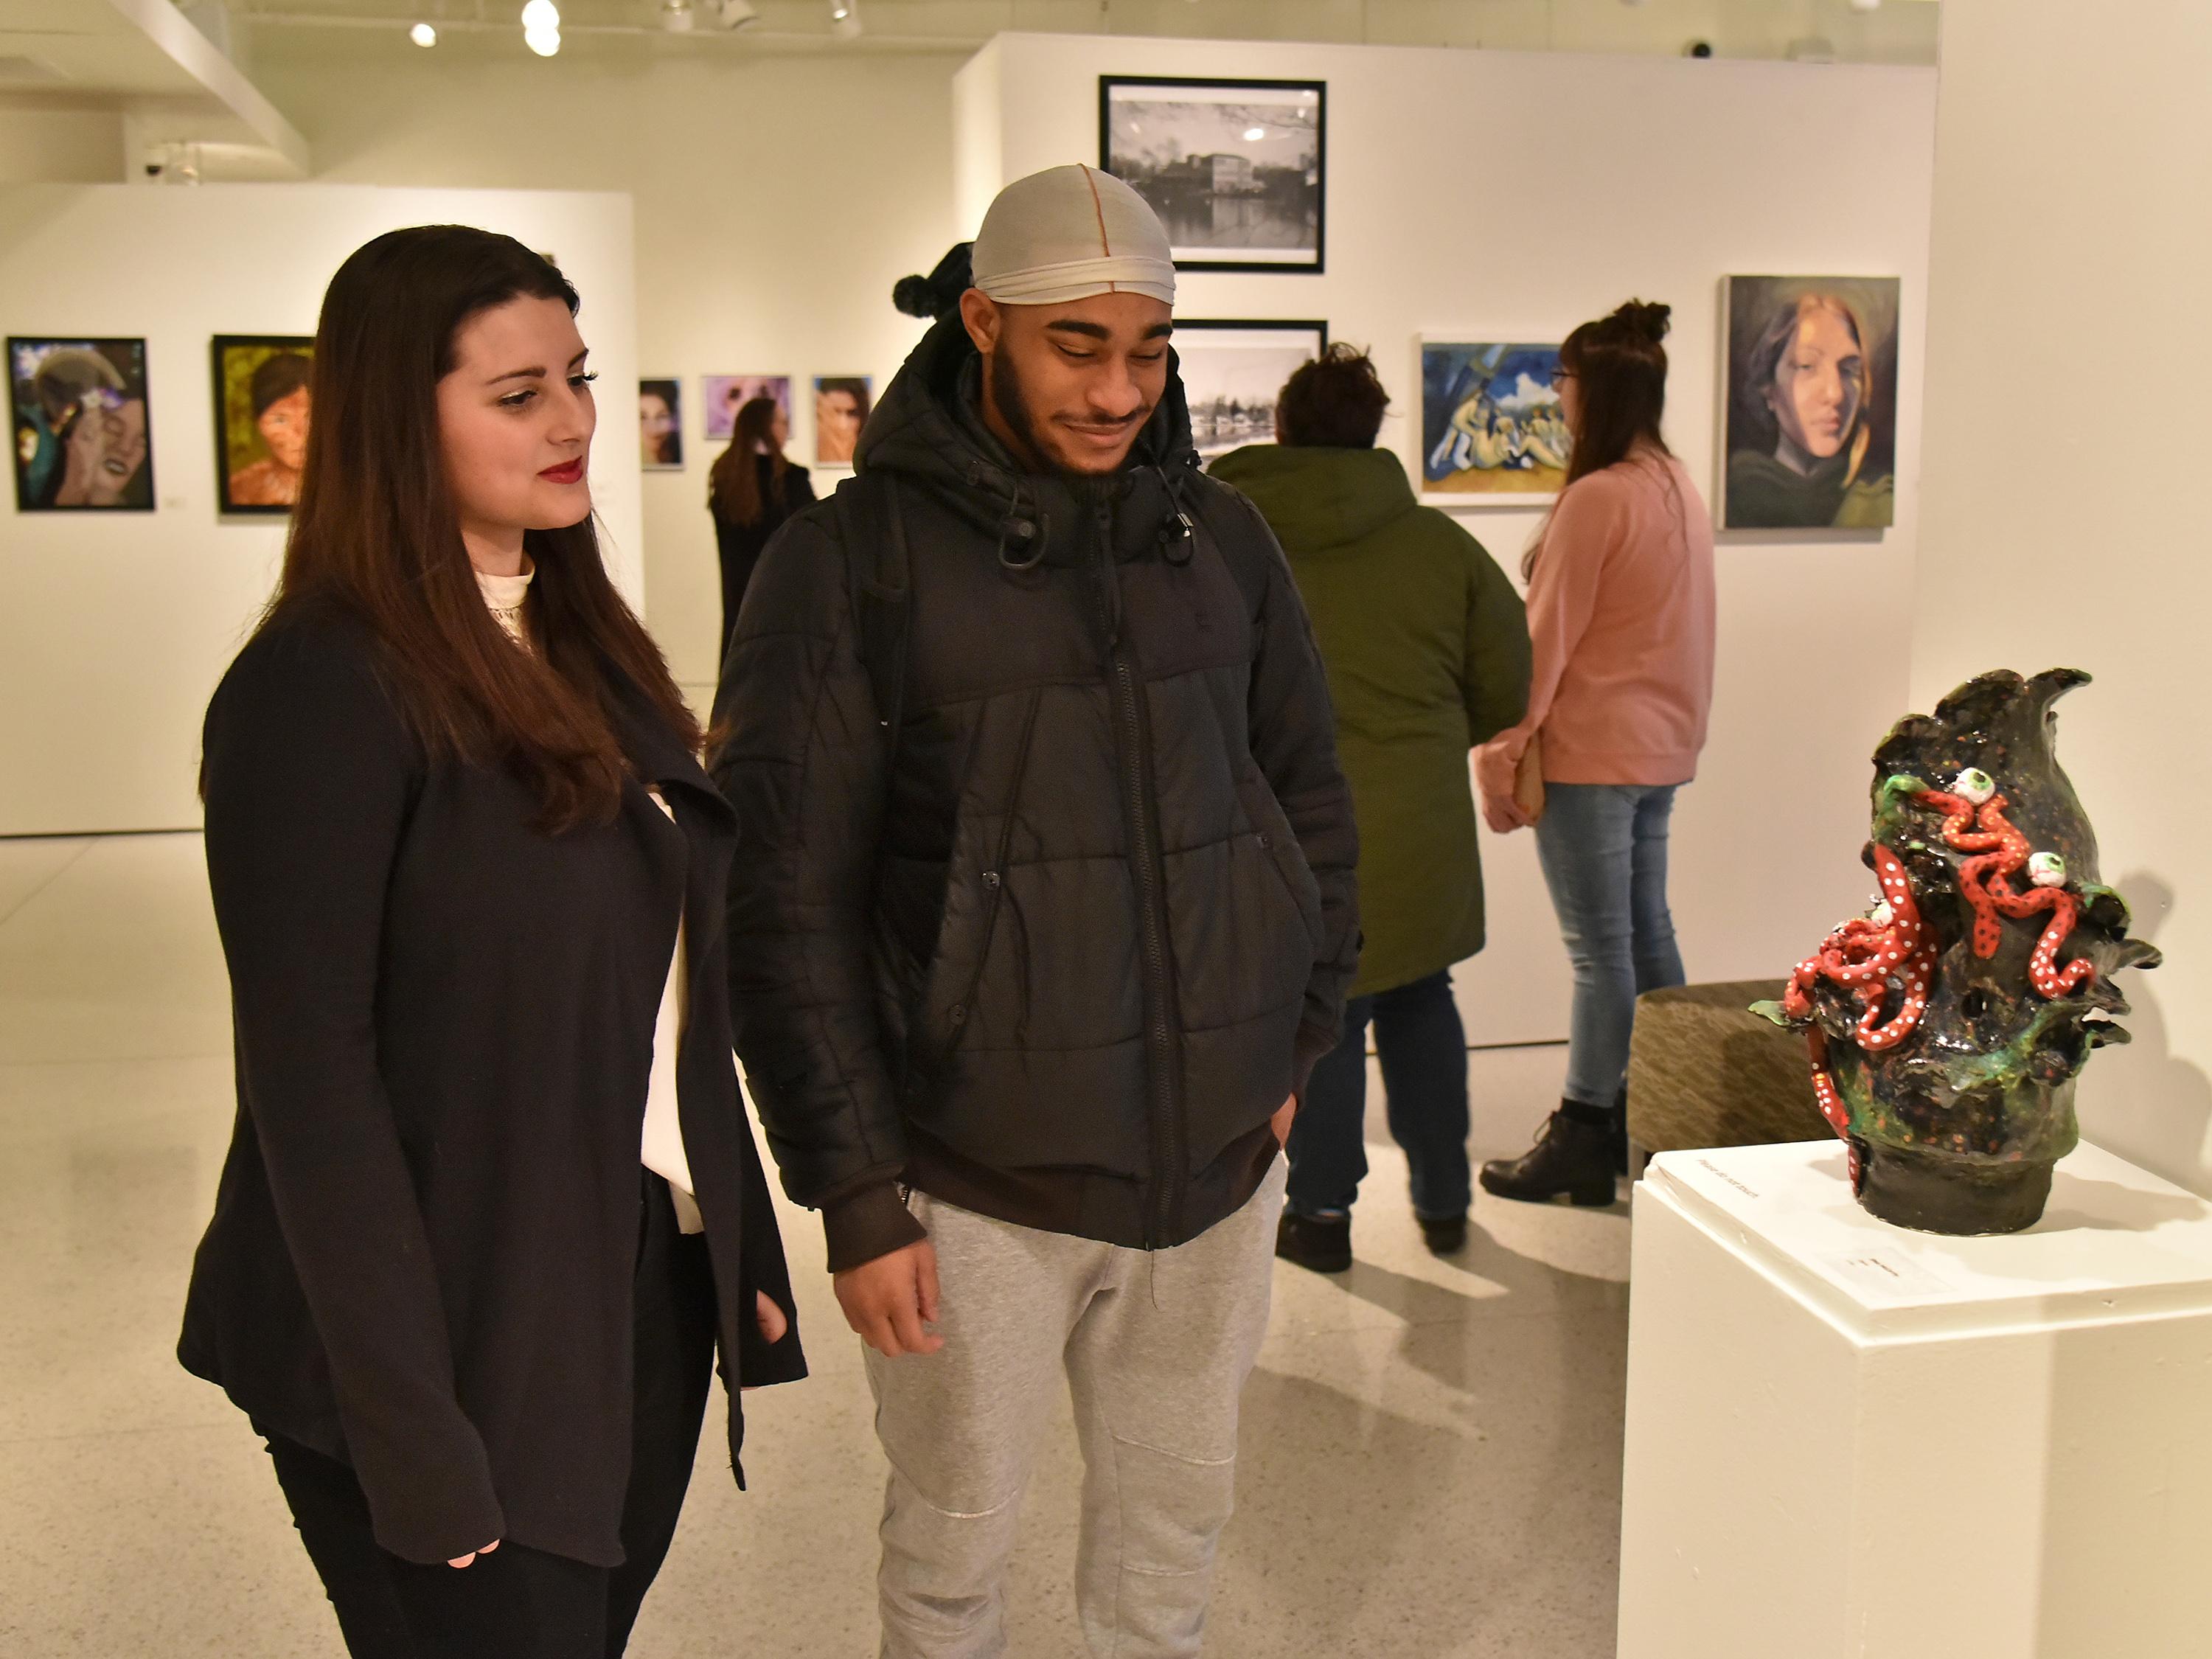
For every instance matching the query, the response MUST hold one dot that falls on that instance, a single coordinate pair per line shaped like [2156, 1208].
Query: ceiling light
[543, 42]
[541, 15]
[1254, 135]
[423, 35]
[736, 14]
[845, 19]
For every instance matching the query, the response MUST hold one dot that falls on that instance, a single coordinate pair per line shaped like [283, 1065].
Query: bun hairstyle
[1620, 366]
[938, 294]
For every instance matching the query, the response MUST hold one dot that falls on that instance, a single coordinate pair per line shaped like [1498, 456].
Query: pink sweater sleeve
[1591, 521]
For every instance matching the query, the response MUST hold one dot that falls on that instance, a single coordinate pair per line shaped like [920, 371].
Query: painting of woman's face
[284, 428]
[1818, 381]
[660, 425]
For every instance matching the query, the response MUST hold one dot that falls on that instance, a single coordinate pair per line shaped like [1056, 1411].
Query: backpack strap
[871, 527]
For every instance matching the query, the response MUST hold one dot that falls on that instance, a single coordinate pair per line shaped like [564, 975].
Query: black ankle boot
[1444, 1236]
[1320, 1246]
[1618, 1131]
[1571, 1158]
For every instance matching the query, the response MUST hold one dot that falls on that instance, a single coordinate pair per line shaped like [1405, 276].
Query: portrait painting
[1812, 403]
[1492, 431]
[661, 424]
[723, 395]
[1233, 373]
[78, 415]
[842, 403]
[1235, 169]
[261, 420]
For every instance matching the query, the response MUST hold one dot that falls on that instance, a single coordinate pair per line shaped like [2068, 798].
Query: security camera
[736, 14]
[1699, 49]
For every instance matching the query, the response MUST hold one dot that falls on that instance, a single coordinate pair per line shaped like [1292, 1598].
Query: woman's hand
[1497, 780]
[1502, 813]
[463, 1561]
[771, 1319]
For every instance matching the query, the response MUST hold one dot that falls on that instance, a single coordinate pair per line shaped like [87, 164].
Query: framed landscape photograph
[1233, 372]
[77, 421]
[661, 424]
[261, 420]
[1238, 170]
[723, 395]
[1492, 432]
[1811, 394]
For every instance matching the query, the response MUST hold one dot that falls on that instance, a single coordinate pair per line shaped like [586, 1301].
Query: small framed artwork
[842, 403]
[1492, 432]
[723, 395]
[261, 419]
[1811, 397]
[77, 414]
[1238, 170]
[1233, 372]
[661, 424]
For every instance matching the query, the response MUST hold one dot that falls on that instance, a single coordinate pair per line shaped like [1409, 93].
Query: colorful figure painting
[1492, 432]
[726, 394]
[78, 423]
[261, 420]
[660, 425]
[1812, 403]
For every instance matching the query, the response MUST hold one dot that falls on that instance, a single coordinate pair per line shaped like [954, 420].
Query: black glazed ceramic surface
[1947, 1024]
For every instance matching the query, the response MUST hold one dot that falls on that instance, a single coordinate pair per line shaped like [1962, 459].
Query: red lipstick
[567, 472]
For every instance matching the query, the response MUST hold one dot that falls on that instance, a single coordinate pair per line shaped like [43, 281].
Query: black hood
[917, 431]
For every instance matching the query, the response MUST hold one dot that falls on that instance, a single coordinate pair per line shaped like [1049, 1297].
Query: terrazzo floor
[1430, 1455]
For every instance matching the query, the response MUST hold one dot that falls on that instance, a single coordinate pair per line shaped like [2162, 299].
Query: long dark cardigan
[424, 1240]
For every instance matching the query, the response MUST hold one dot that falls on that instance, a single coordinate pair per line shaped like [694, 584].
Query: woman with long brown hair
[1621, 615]
[491, 1202]
[751, 489]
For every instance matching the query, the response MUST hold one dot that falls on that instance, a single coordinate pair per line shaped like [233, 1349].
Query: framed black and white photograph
[1233, 372]
[1238, 170]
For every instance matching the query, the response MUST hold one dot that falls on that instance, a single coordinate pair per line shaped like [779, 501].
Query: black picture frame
[42, 412]
[221, 348]
[1227, 260]
[1210, 445]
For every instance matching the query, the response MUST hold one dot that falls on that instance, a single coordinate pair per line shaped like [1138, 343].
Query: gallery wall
[114, 627]
[777, 200]
[2067, 293]
[1499, 196]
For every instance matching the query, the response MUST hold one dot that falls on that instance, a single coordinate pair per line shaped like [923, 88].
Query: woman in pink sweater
[1621, 613]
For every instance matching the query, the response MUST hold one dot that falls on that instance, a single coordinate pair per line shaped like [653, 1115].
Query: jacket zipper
[1167, 1138]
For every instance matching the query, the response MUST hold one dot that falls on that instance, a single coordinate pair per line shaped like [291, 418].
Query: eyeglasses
[1559, 374]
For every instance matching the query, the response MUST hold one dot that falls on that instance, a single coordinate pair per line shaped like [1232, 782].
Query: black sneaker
[1570, 1159]
[1321, 1246]
[1447, 1236]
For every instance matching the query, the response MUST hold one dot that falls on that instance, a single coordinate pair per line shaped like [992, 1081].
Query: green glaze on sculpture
[1955, 1122]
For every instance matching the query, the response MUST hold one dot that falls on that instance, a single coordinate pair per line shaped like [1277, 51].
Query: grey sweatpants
[1156, 1347]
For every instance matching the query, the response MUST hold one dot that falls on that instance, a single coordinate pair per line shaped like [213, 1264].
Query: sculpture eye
[1974, 785]
[2047, 870]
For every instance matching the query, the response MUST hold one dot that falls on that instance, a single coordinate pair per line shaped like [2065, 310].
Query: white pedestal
[1845, 1438]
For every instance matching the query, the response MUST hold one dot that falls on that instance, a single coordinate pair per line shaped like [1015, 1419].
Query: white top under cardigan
[662, 1151]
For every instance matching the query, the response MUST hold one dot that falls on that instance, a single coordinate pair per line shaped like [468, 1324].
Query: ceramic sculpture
[1949, 1024]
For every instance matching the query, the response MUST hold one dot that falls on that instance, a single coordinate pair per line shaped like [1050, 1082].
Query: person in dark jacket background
[1051, 913]
[484, 1217]
[1427, 650]
[751, 489]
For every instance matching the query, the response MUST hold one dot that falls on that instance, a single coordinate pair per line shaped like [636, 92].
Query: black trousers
[518, 1603]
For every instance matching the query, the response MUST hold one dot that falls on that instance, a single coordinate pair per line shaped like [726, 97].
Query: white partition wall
[1511, 196]
[114, 627]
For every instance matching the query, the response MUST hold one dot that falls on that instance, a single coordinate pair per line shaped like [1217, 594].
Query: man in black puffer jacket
[1043, 910]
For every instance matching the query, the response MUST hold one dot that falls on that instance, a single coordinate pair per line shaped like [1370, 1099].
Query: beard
[1012, 406]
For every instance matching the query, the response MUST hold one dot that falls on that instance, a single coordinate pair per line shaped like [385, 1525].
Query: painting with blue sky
[1492, 428]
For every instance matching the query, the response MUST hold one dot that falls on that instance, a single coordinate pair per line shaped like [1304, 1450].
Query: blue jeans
[1603, 847]
[1423, 1048]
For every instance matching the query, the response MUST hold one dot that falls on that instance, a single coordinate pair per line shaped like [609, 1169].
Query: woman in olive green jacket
[1427, 652]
